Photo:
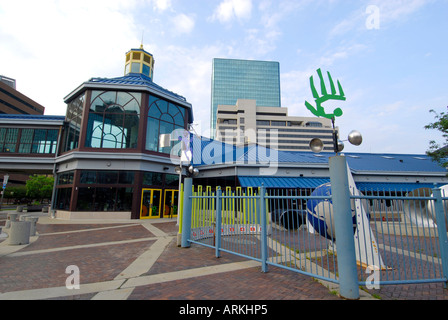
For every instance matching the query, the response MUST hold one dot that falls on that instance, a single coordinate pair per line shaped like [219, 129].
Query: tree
[39, 187]
[436, 152]
[17, 192]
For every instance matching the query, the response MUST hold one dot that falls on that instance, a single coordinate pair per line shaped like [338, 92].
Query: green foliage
[436, 152]
[18, 193]
[39, 187]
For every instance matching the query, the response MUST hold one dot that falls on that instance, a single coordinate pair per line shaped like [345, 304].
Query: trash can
[23, 216]
[33, 221]
[11, 217]
[19, 233]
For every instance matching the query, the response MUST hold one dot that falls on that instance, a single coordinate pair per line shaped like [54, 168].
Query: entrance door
[171, 202]
[151, 203]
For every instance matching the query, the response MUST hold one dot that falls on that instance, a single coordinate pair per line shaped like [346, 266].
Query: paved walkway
[140, 260]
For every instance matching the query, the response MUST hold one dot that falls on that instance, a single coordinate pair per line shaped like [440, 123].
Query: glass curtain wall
[163, 117]
[27, 140]
[113, 120]
[73, 118]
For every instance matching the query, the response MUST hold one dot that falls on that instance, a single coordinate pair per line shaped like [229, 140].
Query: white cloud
[295, 86]
[340, 53]
[230, 9]
[62, 44]
[183, 24]
[162, 5]
[187, 71]
[389, 11]
[392, 10]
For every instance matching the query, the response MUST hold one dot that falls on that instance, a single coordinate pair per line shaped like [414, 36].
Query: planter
[34, 208]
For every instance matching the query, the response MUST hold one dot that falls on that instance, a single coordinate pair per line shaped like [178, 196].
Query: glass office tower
[244, 79]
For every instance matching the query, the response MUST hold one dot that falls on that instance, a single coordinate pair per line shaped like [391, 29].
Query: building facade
[14, 102]
[271, 127]
[108, 161]
[110, 164]
[243, 79]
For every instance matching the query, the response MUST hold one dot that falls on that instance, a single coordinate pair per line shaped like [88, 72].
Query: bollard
[11, 217]
[33, 221]
[19, 233]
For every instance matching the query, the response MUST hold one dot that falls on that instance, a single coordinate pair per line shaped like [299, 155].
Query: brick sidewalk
[104, 252]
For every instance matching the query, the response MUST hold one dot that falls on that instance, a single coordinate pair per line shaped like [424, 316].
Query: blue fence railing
[399, 237]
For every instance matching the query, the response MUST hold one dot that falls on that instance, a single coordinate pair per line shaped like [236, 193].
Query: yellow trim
[160, 204]
[171, 214]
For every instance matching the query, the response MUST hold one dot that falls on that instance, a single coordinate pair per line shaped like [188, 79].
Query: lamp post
[5, 182]
[178, 170]
[186, 154]
[340, 197]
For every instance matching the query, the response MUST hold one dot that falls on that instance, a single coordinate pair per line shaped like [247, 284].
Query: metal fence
[399, 236]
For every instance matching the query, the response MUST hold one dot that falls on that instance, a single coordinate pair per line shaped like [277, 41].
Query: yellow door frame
[150, 209]
[172, 205]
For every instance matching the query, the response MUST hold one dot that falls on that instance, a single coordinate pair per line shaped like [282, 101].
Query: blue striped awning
[306, 182]
[282, 182]
[392, 186]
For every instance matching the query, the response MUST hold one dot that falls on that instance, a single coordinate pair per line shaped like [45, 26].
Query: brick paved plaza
[140, 260]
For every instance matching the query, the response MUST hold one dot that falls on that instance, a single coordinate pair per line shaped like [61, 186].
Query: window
[145, 70]
[135, 67]
[152, 179]
[63, 196]
[314, 124]
[163, 117]
[278, 123]
[105, 191]
[73, 116]
[8, 139]
[104, 199]
[38, 141]
[113, 120]
[65, 178]
[172, 180]
[106, 177]
[263, 122]
[15, 140]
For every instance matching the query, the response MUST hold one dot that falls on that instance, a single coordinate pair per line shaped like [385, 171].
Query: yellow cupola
[139, 61]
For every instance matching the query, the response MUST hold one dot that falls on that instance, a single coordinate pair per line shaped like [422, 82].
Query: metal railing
[399, 244]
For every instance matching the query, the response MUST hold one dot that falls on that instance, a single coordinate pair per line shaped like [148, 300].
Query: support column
[343, 221]
[218, 222]
[264, 235]
[186, 213]
[441, 229]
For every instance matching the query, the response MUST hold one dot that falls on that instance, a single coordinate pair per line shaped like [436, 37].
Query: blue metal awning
[393, 186]
[306, 182]
[282, 182]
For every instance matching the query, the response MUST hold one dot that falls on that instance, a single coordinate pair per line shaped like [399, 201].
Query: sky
[390, 56]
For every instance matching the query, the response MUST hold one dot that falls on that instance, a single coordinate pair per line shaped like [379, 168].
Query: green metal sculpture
[319, 111]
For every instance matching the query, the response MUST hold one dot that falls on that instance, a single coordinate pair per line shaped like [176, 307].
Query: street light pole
[5, 182]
